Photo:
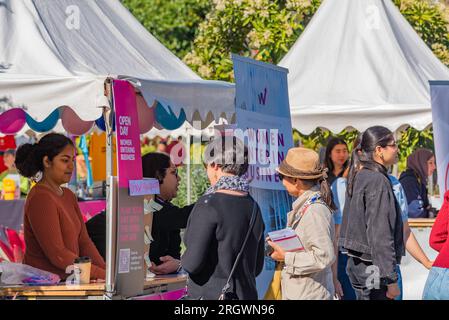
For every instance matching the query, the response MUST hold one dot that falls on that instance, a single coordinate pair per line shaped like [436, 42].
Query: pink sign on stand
[128, 135]
[130, 231]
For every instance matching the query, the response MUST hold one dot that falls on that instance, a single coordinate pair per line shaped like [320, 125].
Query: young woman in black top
[168, 219]
[372, 231]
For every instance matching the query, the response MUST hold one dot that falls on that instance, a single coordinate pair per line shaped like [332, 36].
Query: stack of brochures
[287, 239]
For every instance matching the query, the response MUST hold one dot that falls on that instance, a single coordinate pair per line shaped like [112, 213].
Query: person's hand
[98, 281]
[338, 289]
[278, 253]
[168, 265]
[393, 291]
[433, 212]
[428, 264]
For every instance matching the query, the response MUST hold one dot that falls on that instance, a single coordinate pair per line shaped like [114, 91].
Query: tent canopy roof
[358, 64]
[59, 52]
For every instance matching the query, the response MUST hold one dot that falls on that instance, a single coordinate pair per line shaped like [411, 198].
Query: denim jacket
[372, 228]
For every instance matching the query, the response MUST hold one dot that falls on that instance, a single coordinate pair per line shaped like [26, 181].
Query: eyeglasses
[393, 145]
[175, 172]
[281, 176]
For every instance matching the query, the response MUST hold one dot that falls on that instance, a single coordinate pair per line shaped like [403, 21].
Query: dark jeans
[348, 290]
[361, 276]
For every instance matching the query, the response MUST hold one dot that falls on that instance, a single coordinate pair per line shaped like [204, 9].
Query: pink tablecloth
[171, 295]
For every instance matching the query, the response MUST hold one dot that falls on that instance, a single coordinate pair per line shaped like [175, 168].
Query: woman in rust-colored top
[55, 234]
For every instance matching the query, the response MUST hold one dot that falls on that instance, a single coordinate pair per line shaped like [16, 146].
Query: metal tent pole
[189, 187]
[111, 199]
[397, 136]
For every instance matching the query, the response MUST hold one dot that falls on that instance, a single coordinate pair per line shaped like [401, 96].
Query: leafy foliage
[410, 140]
[172, 22]
[198, 181]
[261, 29]
[430, 20]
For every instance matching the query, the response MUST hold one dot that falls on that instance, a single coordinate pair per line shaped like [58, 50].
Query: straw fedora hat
[302, 163]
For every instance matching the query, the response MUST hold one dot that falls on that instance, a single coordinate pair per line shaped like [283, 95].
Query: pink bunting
[74, 124]
[12, 121]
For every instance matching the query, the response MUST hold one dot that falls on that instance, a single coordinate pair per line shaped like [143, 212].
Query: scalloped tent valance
[50, 62]
[14, 120]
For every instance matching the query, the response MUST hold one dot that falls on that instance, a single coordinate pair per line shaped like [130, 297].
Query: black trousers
[365, 280]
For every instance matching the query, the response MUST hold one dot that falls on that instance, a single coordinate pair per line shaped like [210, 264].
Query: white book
[287, 239]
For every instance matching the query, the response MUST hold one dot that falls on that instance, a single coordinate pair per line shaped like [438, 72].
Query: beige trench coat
[307, 275]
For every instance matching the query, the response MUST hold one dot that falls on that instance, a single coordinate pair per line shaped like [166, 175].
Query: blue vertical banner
[264, 122]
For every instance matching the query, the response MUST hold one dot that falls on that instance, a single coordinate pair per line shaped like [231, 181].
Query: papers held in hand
[287, 239]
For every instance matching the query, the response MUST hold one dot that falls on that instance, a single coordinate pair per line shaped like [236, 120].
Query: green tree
[261, 29]
[430, 20]
[319, 138]
[172, 22]
[198, 182]
[410, 140]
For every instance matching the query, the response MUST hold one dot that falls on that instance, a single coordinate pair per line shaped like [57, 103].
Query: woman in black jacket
[372, 231]
[218, 226]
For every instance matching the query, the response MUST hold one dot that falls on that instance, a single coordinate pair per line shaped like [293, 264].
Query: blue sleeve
[400, 196]
[339, 196]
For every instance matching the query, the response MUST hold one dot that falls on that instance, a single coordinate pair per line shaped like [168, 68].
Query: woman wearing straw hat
[307, 274]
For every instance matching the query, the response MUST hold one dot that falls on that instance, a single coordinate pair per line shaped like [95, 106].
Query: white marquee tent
[60, 52]
[358, 64]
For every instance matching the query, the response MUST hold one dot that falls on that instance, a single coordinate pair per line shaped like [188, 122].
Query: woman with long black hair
[336, 159]
[372, 230]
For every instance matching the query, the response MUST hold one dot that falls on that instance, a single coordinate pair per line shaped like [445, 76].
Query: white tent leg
[189, 186]
[395, 170]
[111, 183]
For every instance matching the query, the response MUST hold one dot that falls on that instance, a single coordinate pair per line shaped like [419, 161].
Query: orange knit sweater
[55, 234]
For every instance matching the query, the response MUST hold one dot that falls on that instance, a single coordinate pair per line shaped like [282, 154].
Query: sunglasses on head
[282, 177]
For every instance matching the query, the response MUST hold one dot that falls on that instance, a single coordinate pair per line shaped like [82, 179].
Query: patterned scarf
[234, 183]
